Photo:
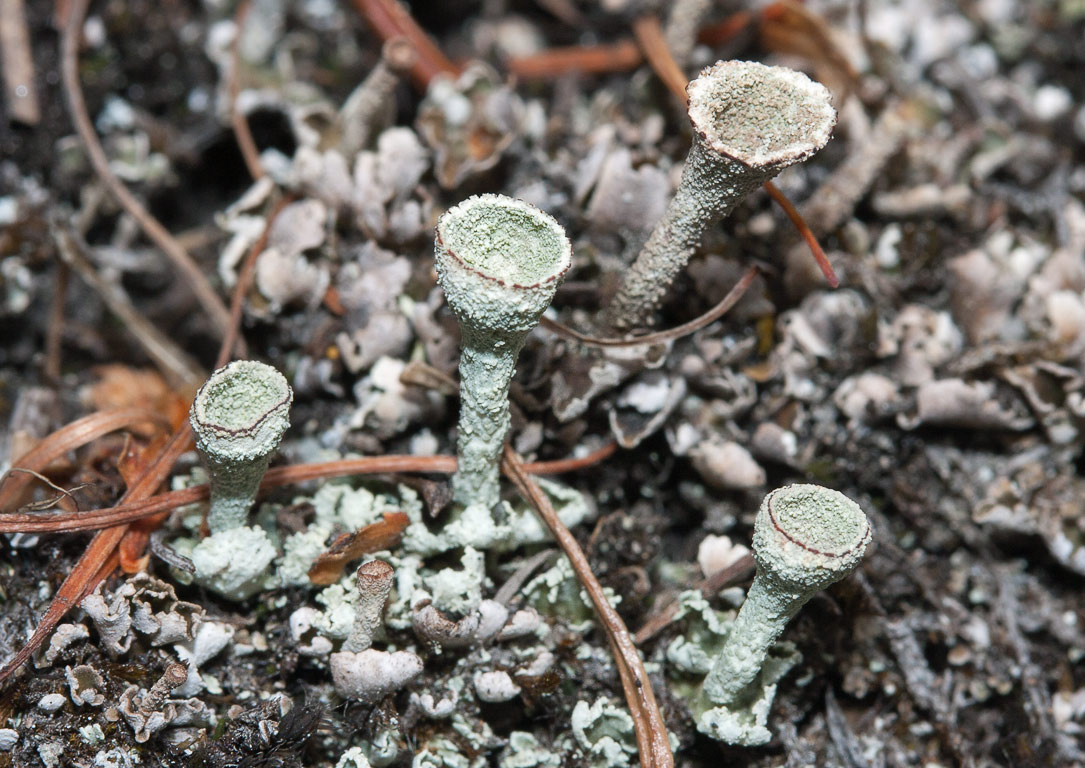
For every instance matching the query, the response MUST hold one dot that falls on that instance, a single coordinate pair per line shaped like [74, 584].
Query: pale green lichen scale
[238, 418]
[750, 121]
[499, 261]
[805, 538]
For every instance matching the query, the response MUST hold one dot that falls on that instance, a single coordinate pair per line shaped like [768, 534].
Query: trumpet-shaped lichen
[499, 262]
[750, 121]
[805, 538]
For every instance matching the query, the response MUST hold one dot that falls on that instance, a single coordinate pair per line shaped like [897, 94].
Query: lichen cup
[806, 538]
[238, 417]
[499, 261]
[750, 121]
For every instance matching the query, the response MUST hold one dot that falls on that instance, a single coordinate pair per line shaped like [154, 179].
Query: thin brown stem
[388, 19]
[621, 56]
[572, 465]
[649, 35]
[655, 750]
[238, 121]
[804, 231]
[94, 519]
[733, 296]
[158, 234]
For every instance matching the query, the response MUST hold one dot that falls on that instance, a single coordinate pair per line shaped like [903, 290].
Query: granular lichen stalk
[499, 261]
[806, 538]
[238, 417]
[750, 121]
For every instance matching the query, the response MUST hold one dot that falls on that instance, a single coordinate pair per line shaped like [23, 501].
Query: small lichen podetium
[238, 417]
[805, 538]
[750, 121]
[499, 262]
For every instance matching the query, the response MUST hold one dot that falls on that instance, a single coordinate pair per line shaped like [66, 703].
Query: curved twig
[95, 519]
[654, 45]
[805, 232]
[655, 749]
[709, 317]
[176, 253]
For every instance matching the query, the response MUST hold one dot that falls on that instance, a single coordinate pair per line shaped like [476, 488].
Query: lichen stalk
[487, 363]
[374, 585]
[750, 121]
[683, 22]
[499, 262]
[370, 105]
[238, 418]
[805, 538]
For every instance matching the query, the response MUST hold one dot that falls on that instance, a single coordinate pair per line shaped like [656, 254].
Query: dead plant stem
[182, 262]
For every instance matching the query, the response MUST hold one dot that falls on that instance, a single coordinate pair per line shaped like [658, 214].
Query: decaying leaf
[384, 534]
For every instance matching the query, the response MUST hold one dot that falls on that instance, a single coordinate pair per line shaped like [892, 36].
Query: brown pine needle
[67, 438]
[95, 519]
[176, 253]
[650, 37]
[804, 231]
[388, 18]
[238, 121]
[561, 466]
[655, 749]
[709, 317]
[621, 56]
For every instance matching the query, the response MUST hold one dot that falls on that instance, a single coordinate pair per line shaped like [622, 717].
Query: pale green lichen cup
[499, 261]
[750, 121]
[238, 418]
[806, 538]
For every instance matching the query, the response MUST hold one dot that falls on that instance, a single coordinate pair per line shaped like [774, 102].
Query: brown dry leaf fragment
[67, 438]
[121, 386]
[384, 534]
